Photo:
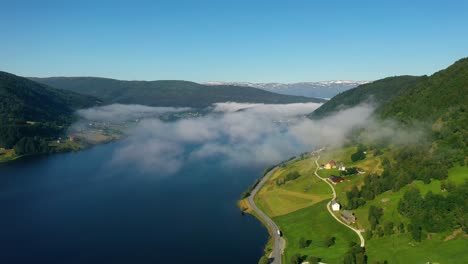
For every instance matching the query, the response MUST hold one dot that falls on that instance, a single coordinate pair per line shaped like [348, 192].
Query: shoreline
[81, 147]
[274, 239]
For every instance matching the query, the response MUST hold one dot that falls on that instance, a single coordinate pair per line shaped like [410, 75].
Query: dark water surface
[79, 208]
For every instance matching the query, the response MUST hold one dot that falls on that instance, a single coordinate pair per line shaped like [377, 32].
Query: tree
[380, 232]
[355, 255]
[374, 215]
[416, 232]
[361, 258]
[357, 156]
[388, 228]
[401, 228]
[312, 260]
[302, 242]
[296, 259]
[330, 241]
[264, 260]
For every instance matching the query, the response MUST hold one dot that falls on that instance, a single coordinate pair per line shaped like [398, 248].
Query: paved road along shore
[329, 208]
[279, 242]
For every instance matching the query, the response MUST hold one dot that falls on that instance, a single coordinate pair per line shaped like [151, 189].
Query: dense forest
[438, 106]
[376, 93]
[168, 93]
[33, 113]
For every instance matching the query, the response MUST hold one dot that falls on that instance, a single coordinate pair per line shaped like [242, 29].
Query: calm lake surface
[79, 208]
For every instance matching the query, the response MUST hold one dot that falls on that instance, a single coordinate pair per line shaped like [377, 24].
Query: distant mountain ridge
[168, 92]
[324, 89]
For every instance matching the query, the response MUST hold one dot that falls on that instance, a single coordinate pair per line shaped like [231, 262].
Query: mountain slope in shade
[376, 92]
[168, 93]
[24, 100]
[32, 113]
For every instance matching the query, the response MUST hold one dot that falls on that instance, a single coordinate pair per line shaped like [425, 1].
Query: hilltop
[168, 92]
[431, 97]
[376, 93]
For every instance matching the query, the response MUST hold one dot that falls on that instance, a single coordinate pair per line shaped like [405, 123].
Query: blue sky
[260, 41]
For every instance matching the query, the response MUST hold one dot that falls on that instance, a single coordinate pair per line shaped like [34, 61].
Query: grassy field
[458, 174]
[7, 155]
[371, 164]
[389, 200]
[402, 249]
[66, 145]
[298, 207]
[302, 192]
[314, 223]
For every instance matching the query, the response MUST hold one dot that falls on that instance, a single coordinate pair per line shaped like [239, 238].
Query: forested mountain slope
[432, 97]
[376, 92]
[414, 191]
[441, 103]
[31, 112]
[168, 93]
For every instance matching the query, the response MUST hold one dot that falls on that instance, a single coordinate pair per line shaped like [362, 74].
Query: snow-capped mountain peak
[323, 89]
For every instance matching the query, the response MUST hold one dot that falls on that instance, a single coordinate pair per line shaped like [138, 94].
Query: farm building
[335, 206]
[341, 167]
[348, 217]
[335, 179]
[330, 165]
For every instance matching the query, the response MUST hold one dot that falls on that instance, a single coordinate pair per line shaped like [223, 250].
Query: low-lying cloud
[122, 112]
[237, 134]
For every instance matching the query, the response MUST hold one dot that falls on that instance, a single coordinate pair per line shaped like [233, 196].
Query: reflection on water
[79, 208]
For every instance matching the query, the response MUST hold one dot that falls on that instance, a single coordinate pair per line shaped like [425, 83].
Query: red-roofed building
[336, 179]
[330, 165]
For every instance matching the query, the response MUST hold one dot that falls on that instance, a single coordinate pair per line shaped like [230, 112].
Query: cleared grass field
[302, 192]
[458, 174]
[389, 200]
[314, 223]
[371, 164]
[298, 207]
[402, 249]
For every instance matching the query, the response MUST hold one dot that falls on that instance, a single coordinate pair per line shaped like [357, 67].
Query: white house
[335, 206]
[341, 167]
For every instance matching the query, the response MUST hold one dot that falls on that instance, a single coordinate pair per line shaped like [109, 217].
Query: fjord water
[80, 208]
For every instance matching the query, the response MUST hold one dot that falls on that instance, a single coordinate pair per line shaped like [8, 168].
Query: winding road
[279, 243]
[329, 207]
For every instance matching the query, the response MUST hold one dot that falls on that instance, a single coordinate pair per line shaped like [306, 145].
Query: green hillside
[418, 197]
[376, 92]
[411, 200]
[31, 113]
[167, 93]
[432, 97]
[438, 103]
